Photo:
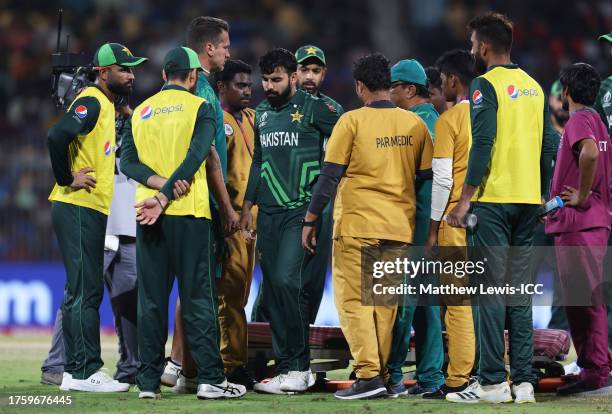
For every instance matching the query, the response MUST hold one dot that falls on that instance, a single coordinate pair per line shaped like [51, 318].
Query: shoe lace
[102, 376]
[228, 387]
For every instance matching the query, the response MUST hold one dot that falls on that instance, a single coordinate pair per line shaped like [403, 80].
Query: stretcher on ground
[329, 351]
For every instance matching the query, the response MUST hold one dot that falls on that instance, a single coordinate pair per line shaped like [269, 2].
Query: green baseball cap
[116, 54]
[409, 71]
[309, 51]
[607, 37]
[556, 88]
[181, 58]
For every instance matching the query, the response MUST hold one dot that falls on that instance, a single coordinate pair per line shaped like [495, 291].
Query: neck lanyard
[244, 135]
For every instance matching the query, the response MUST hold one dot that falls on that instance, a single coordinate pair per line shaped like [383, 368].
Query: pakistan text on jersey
[394, 141]
[279, 139]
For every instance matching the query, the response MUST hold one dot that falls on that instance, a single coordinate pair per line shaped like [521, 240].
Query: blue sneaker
[418, 391]
[396, 390]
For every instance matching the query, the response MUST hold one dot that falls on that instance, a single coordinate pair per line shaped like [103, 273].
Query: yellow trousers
[368, 329]
[458, 319]
[233, 289]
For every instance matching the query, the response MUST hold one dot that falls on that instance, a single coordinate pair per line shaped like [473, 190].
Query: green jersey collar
[173, 87]
[508, 66]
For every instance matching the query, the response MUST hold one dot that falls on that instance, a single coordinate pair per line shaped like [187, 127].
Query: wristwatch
[308, 223]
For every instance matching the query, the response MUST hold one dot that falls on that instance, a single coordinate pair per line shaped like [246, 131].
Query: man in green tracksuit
[170, 135]
[409, 91]
[289, 130]
[310, 76]
[508, 172]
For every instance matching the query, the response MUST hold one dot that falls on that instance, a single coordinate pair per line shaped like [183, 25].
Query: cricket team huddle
[193, 183]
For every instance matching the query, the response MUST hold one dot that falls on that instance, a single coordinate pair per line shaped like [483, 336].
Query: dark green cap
[181, 58]
[556, 88]
[607, 37]
[309, 51]
[409, 71]
[116, 54]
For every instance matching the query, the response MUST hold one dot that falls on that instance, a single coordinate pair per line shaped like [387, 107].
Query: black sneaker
[241, 376]
[128, 379]
[363, 388]
[51, 377]
[579, 388]
[440, 393]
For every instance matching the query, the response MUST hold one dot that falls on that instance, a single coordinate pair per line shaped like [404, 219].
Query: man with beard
[290, 126]
[209, 37]
[508, 174]
[119, 270]
[171, 136]
[82, 151]
[310, 76]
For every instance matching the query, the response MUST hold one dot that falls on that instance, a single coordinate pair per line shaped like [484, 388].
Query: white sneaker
[98, 382]
[185, 385]
[572, 369]
[224, 390]
[66, 381]
[497, 393]
[272, 386]
[150, 395]
[171, 374]
[523, 393]
[470, 395]
[297, 381]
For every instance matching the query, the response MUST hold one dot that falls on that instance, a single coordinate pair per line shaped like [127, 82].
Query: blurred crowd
[548, 35]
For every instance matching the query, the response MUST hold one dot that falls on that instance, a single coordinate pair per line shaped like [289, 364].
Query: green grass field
[21, 356]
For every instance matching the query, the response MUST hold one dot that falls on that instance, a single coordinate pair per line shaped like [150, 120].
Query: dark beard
[278, 100]
[119, 89]
[566, 105]
[561, 116]
[480, 66]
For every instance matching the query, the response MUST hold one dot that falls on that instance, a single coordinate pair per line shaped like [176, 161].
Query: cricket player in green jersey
[290, 126]
[409, 91]
[311, 72]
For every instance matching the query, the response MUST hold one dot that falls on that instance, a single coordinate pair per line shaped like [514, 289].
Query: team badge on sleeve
[331, 107]
[477, 97]
[80, 111]
[228, 130]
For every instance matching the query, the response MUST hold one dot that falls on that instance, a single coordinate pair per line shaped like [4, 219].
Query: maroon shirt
[597, 210]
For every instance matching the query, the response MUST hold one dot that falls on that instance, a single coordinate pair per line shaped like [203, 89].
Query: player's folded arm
[80, 119]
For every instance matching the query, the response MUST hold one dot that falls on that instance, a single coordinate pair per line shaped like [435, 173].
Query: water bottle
[470, 221]
[551, 206]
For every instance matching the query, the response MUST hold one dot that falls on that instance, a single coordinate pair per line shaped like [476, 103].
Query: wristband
[159, 202]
